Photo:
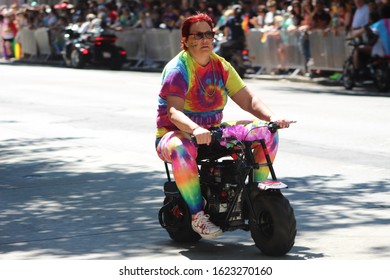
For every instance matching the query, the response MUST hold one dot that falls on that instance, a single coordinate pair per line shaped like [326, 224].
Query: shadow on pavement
[51, 208]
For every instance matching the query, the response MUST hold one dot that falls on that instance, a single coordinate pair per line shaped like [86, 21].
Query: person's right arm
[175, 108]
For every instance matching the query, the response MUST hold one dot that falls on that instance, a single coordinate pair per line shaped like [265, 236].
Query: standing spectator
[281, 25]
[361, 15]
[341, 13]
[296, 13]
[170, 17]
[180, 17]
[248, 14]
[156, 16]
[57, 35]
[112, 13]
[373, 5]
[381, 3]
[8, 33]
[124, 19]
[321, 17]
[144, 21]
[258, 21]
[22, 18]
[206, 9]
[221, 18]
[269, 19]
[1, 38]
[306, 23]
[307, 10]
[50, 19]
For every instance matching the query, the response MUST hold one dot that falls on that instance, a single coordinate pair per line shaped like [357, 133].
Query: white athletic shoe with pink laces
[204, 227]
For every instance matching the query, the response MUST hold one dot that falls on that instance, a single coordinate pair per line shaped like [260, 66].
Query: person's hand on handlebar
[202, 135]
[282, 122]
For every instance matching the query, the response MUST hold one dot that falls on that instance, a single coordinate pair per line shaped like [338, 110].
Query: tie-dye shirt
[203, 101]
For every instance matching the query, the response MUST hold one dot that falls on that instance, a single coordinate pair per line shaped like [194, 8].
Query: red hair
[185, 28]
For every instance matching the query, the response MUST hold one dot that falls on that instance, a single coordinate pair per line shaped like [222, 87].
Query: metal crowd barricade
[26, 38]
[292, 49]
[328, 50]
[175, 46]
[43, 42]
[133, 41]
[271, 55]
[147, 47]
[267, 51]
[257, 49]
[158, 45]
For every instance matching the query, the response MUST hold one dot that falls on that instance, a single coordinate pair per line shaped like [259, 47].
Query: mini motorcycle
[231, 198]
[376, 71]
[95, 48]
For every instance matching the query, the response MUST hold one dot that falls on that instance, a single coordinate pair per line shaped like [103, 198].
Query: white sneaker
[204, 227]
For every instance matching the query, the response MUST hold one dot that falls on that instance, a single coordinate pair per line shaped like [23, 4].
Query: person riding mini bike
[371, 61]
[364, 49]
[195, 87]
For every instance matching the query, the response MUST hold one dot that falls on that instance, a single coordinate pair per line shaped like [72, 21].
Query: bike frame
[245, 165]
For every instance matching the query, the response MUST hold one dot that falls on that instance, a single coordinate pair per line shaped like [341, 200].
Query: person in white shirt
[361, 15]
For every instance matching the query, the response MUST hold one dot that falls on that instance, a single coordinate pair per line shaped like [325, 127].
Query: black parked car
[94, 48]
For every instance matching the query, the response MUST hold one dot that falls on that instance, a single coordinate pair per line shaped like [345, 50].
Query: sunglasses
[201, 35]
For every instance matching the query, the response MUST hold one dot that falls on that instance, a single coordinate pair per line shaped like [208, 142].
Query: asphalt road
[80, 178]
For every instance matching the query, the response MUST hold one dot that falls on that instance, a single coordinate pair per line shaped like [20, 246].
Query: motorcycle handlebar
[216, 134]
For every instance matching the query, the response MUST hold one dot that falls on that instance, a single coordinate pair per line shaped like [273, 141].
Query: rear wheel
[349, 74]
[175, 217]
[116, 64]
[275, 228]
[118, 58]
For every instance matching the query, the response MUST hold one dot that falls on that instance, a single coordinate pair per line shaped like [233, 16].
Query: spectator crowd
[265, 15]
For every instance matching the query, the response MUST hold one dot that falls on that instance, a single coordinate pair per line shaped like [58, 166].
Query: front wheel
[349, 74]
[382, 77]
[175, 217]
[273, 228]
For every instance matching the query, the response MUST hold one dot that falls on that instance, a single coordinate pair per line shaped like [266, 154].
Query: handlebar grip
[216, 135]
[273, 127]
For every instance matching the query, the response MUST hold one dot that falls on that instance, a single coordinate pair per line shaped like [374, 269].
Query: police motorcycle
[231, 197]
[96, 47]
[237, 54]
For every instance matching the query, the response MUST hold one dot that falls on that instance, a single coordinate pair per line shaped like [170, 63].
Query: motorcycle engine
[219, 188]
